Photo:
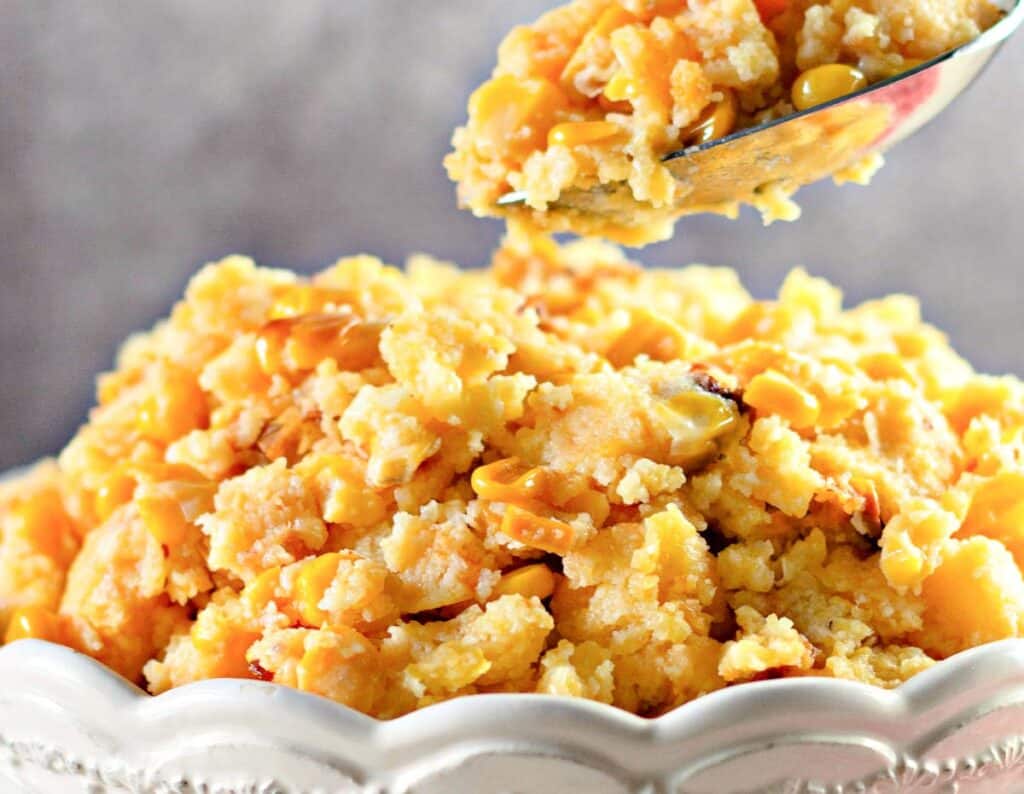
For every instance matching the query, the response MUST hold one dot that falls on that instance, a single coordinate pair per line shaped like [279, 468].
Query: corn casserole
[564, 474]
[591, 98]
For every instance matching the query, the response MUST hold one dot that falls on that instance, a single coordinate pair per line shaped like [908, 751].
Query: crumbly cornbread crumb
[564, 474]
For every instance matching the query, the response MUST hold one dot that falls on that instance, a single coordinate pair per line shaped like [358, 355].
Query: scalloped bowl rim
[901, 726]
[985, 674]
[984, 665]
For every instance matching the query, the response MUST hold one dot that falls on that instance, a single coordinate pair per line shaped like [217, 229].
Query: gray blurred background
[140, 140]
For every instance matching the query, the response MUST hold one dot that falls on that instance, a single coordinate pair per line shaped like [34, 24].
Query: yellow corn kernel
[163, 520]
[230, 651]
[771, 392]
[717, 121]
[313, 580]
[269, 346]
[169, 508]
[707, 413]
[885, 366]
[359, 347]
[902, 567]
[178, 408]
[824, 83]
[579, 133]
[354, 344]
[997, 512]
[612, 18]
[148, 420]
[650, 334]
[902, 560]
[301, 343]
[508, 480]
[116, 490]
[621, 88]
[537, 532]
[271, 341]
[261, 590]
[34, 623]
[508, 112]
[529, 581]
[593, 503]
[980, 396]
[999, 502]
[760, 323]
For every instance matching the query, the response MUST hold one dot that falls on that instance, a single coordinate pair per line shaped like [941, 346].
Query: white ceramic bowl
[67, 724]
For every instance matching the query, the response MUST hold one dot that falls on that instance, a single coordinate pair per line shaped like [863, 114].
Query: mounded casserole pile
[563, 474]
[594, 94]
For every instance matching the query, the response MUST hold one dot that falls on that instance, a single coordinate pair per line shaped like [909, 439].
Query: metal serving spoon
[808, 145]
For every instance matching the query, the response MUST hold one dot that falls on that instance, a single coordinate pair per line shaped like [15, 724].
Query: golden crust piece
[564, 474]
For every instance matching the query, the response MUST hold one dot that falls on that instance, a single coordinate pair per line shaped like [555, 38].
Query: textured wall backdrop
[139, 140]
